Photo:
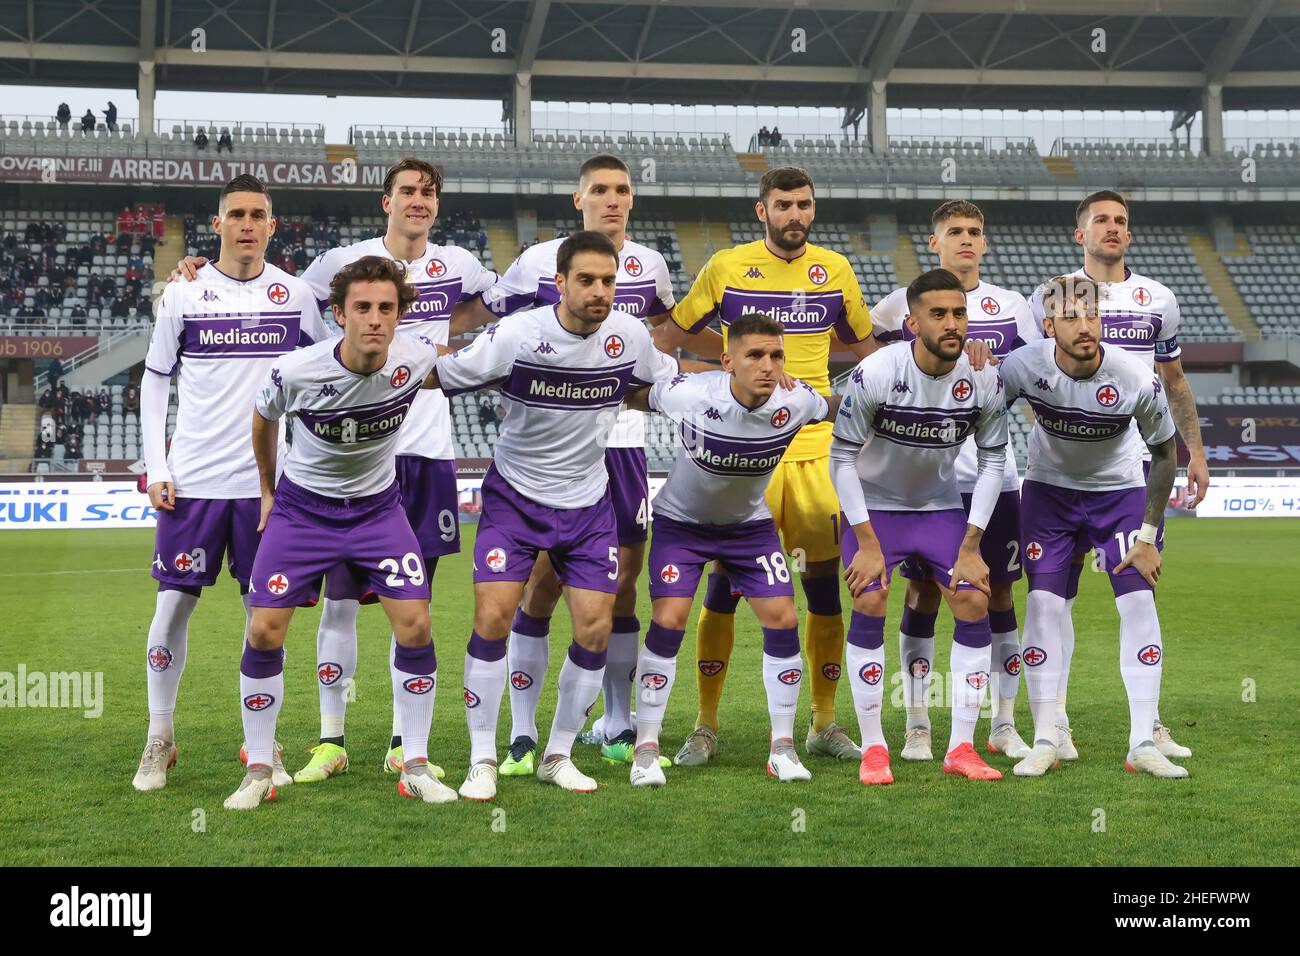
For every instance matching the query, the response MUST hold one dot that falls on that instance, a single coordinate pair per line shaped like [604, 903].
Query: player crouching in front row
[337, 505]
[735, 426]
[1084, 488]
[906, 413]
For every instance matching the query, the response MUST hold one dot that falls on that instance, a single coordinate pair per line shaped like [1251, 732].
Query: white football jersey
[557, 389]
[726, 452]
[909, 427]
[1083, 436]
[347, 426]
[999, 317]
[1138, 315]
[643, 288]
[443, 276]
[219, 336]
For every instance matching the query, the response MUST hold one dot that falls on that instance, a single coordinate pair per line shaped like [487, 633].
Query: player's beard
[780, 238]
[936, 347]
[1077, 355]
[1102, 254]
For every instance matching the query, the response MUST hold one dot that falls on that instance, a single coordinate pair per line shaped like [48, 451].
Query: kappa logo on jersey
[1107, 396]
[990, 305]
[278, 293]
[791, 676]
[328, 672]
[632, 266]
[160, 658]
[275, 378]
[1150, 655]
[961, 389]
[713, 413]
[871, 672]
[277, 583]
[901, 388]
[669, 574]
[920, 666]
[1033, 656]
[1141, 296]
[496, 560]
[401, 375]
[831, 671]
[209, 296]
[711, 668]
[677, 380]
[1155, 385]
[328, 391]
[520, 681]
[614, 346]
[471, 698]
[780, 417]
[1042, 385]
[857, 376]
[1012, 665]
[753, 273]
[258, 701]
[435, 269]
[817, 275]
[1033, 551]
[978, 679]
[545, 348]
[418, 685]
[653, 680]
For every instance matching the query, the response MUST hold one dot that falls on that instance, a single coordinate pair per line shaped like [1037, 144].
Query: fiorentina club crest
[1141, 296]
[1033, 656]
[328, 672]
[978, 679]
[817, 275]
[614, 346]
[277, 584]
[669, 574]
[710, 668]
[520, 681]
[418, 685]
[653, 680]
[401, 375]
[183, 561]
[471, 698]
[780, 417]
[871, 672]
[961, 389]
[496, 560]
[990, 305]
[1107, 396]
[1150, 655]
[160, 658]
[791, 676]
[920, 667]
[258, 701]
[278, 293]
[1012, 665]
[632, 266]
[831, 671]
[435, 269]
[1033, 551]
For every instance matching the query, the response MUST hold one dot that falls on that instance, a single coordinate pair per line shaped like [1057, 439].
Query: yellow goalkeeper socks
[715, 636]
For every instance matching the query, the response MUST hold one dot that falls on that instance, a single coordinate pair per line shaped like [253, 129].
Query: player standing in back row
[1000, 318]
[1141, 316]
[218, 335]
[815, 296]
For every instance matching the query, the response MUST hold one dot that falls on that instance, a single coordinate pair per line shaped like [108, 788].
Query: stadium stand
[875, 273]
[1132, 163]
[1269, 278]
[1254, 395]
[174, 140]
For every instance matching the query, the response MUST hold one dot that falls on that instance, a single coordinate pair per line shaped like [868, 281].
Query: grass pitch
[82, 601]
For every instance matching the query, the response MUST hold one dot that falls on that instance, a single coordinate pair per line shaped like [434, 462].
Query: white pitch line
[40, 574]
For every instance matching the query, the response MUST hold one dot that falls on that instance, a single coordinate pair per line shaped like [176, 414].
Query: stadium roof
[1152, 54]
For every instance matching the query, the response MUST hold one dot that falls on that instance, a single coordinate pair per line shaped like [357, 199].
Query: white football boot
[646, 771]
[783, 763]
[1166, 744]
[1065, 743]
[419, 783]
[916, 744]
[1041, 758]
[560, 771]
[698, 749]
[1005, 740]
[1147, 758]
[159, 756]
[481, 782]
[831, 742]
[255, 789]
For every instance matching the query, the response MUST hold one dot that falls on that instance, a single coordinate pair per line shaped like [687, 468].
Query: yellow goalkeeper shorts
[806, 509]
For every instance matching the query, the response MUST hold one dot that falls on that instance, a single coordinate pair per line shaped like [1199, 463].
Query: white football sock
[964, 664]
[415, 683]
[916, 690]
[485, 682]
[336, 662]
[868, 698]
[1041, 656]
[392, 660]
[578, 689]
[165, 655]
[528, 656]
[655, 676]
[1067, 655]
[1141, 660]
[782, 694]
[620, 671]
[259, 725]
[1006, 646]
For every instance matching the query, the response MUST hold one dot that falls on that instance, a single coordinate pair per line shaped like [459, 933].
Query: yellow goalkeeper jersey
[810, 296]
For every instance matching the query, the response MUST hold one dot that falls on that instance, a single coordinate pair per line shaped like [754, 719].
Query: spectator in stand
[159, 219]
[98, 245]
[120, 307]
[72, 448]
[201, 139]
[43, 299]
[125, 220]
[76, 411]
[104, 402]
[131, 399]
[764, 137]
[110, 117]
[147, 243]
[46, 401]
[776, 136]
[59, 401]
[89, 407]
[44, 449]
[300, 259]
[49, 428]
[486, 411]
[78, 316]
[64, 115]
[225, 143]
[482, 241]
[88, 122]
[55, 369]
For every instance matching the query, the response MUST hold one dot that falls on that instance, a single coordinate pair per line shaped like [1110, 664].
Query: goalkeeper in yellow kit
[814, 294]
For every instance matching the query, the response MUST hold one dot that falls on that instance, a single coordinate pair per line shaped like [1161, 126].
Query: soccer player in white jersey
[444, 277]
[1001, 319]
[906, 413]
[735, 426]
[1085, 487]
[644, 289]
[218, 335]
[338, 504]
[559, 368]
[1141, 316]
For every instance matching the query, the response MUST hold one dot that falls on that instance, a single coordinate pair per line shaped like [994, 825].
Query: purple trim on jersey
[373, 422]
[638, 298]
[536, 385]
[1131, 331]
[433, 303]
[163, 374]
[820, 313]
[1167, 349]
[1064, 423]
[213, 267]
[1001, 335]
[928, 427]
[895, 335]
[233, 335]
[703, 321]
[845, 331]
[732, 456]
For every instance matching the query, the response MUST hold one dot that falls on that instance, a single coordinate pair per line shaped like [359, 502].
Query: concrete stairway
[906, 265]
[699, 240]
[17, 431]
[1216, 275]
